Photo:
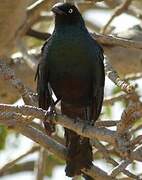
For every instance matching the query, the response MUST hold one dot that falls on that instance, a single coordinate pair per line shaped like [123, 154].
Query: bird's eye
[70, 11]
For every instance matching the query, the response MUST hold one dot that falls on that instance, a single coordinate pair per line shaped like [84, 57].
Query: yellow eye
[70, 11]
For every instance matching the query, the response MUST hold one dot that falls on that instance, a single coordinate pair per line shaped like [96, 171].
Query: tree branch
[50, 144]
[113, 75]
[13, 162]
[118, 10]
[9, 75]
[78, 126]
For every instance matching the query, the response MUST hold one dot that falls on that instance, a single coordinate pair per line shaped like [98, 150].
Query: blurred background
[23, 29]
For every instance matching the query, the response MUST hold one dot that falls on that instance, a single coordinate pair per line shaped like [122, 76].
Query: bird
[72, 68]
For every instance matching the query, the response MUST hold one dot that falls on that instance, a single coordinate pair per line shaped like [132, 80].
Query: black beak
[56, 10]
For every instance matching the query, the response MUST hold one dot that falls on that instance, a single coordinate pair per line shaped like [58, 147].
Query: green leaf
[3, 135]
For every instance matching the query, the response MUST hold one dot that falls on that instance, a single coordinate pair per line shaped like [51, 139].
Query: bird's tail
[79, 153]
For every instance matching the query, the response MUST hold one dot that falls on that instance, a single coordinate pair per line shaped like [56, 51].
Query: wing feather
[99, 82]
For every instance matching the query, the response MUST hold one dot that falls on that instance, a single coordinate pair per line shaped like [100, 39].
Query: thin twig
[115, 41]
[113, 75]
[13, 162]
[118, 10]
[110, 100]
[9, 75]
[133, 76]
[131, 113]
[41, 164]
[120, 168]
[28, 58]
[107, 156]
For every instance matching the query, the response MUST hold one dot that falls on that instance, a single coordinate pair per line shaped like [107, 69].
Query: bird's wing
[42, 76]
[98, 82]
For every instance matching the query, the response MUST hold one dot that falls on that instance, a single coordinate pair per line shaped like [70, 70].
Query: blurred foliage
[116, 90]
[33, 42]
[3, 135]
[108, 111]
[51, 163]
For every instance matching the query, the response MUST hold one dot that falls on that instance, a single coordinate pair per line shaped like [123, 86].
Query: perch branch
[78, 126]
[8, 117]
[50, 144]
[115, 41]
[106, 40]
[91, 132]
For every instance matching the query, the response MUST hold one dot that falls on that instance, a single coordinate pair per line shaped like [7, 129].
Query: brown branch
[131, 113]
[136, 141]
[106, 40]
[106, 123]
[18, 122]
[115, 41]
[109, 159]
[50, 144]
[120, 168]
[77, 126]
[36, 34]
[113, 75]
[119, 140]
[41, 164]
[19, 167]
[123, 135]
[110, 100]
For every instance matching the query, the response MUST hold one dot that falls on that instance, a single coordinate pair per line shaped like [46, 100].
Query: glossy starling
[72, 67]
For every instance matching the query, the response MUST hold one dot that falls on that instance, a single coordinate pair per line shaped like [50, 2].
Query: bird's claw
[48, 121]
[87, 123]
[76, 120]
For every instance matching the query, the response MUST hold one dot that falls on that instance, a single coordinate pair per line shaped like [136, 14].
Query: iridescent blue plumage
[72, 63]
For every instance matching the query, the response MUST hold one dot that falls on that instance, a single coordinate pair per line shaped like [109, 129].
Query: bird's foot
[76, 120]
[87, 123]
[48, 121]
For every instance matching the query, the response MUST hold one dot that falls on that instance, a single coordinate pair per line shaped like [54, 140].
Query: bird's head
[66, 13]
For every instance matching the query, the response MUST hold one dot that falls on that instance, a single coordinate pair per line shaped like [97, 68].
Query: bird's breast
[70, 71]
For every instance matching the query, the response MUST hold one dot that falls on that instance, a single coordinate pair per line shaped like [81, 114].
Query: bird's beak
[56, 10]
